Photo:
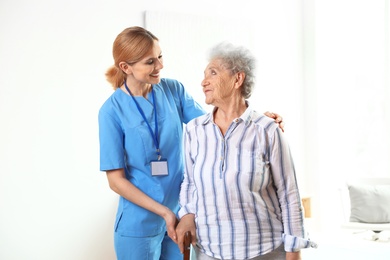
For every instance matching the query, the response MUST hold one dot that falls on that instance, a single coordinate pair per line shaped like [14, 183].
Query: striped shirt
[241, 187]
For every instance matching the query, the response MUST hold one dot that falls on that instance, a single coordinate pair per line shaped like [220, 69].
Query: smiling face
[219, 83]
[147, 70]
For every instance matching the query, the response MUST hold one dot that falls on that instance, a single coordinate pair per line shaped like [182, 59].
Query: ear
[240, 77]
[125, 67]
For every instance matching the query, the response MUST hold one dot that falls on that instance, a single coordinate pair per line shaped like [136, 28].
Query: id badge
[159, 167]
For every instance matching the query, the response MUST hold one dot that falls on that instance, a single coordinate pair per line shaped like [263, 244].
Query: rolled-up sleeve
[283, 171]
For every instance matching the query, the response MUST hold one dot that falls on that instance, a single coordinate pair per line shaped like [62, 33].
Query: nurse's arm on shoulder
[278, 118]
[119, 184]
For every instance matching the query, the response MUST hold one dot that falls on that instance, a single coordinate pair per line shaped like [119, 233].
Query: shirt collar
[246, 117]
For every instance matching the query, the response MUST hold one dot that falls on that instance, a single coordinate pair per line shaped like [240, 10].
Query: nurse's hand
[170, 222]
[278, 119]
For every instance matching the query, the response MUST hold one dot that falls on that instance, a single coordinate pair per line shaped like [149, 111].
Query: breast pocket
[249, 161]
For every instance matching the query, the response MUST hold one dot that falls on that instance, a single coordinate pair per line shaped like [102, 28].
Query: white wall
[352, 72]
[54, 202]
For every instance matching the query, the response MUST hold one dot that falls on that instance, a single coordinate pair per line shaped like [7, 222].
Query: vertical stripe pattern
[241, 187]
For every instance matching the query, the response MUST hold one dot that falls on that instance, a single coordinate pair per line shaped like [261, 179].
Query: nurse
[140, 133]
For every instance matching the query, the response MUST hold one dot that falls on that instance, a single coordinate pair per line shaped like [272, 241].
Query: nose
[204, 82]
[159, 64]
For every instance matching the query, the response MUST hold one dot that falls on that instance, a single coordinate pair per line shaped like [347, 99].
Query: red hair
[130, 46]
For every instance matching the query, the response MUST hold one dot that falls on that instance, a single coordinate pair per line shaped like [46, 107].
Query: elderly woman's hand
[186, 224]
[278, 118]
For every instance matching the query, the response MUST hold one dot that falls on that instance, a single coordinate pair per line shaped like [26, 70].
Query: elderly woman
[239, 198]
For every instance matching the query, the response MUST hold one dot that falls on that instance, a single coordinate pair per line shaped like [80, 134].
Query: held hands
[277, 117]
[187, 223]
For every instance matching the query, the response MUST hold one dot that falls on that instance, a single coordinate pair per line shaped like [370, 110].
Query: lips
[155, 74]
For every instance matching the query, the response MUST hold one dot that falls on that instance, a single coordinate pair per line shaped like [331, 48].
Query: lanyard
[155, 134]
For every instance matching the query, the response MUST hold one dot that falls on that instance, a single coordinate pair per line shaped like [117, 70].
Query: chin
[207, 100]
[155, 80]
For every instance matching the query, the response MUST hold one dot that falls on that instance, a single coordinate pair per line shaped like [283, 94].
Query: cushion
[370, 203]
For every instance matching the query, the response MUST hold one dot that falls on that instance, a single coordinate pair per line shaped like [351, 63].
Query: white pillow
[370, 203]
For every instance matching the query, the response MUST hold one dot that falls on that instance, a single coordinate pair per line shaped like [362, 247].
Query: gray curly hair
[236, 59]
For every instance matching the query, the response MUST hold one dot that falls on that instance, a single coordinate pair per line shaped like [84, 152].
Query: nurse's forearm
[119, 184]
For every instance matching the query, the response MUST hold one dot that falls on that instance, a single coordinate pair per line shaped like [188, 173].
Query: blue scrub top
[126, 142]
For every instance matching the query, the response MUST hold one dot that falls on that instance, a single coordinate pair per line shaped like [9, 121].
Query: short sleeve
[111, 142]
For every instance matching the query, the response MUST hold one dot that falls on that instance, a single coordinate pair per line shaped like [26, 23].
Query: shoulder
[263, 122]
[113, 102]
[198, 121]
[170, 88]
[170, 83]
[267, 130]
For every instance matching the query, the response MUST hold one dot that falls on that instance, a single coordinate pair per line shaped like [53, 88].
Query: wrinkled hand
[278, 118]
[171, 223]
[187, 223]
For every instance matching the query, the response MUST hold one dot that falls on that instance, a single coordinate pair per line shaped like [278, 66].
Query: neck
[230, 111]
[225, 114]
[137, 89]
